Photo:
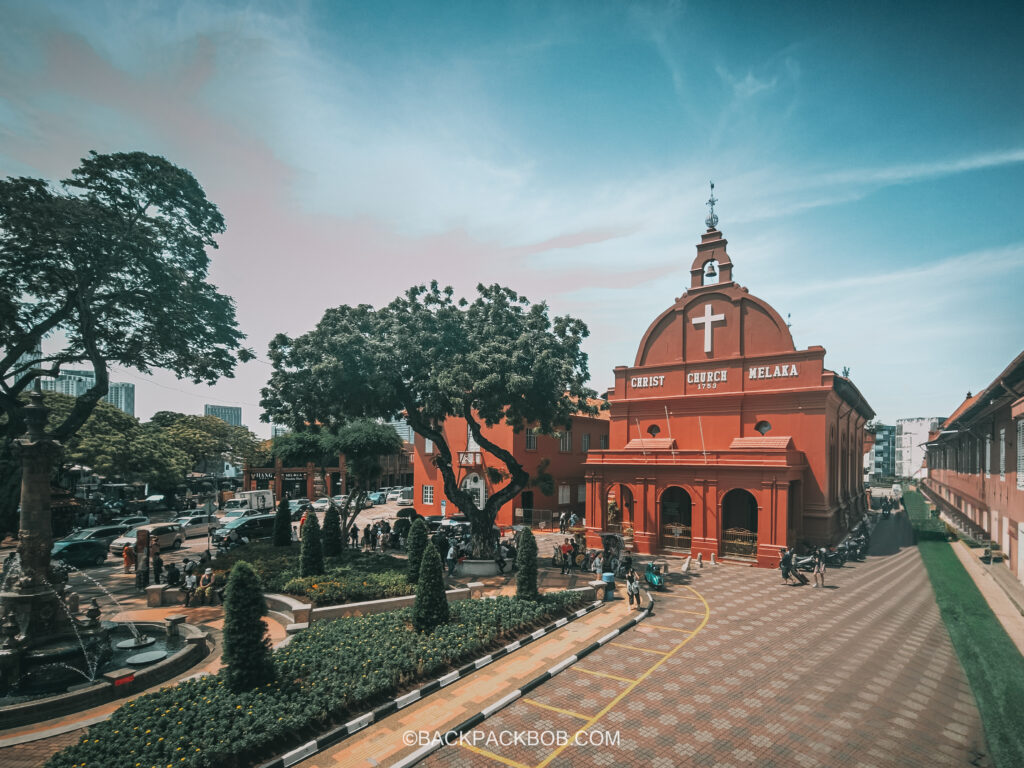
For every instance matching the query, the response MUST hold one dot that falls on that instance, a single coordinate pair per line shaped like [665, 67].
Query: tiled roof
[959, 411]
[651, 444]
[782, 441]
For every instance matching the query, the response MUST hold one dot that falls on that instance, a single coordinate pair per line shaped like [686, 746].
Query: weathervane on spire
[712, 219]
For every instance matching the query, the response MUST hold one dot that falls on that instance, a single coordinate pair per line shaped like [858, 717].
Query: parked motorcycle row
[853, 548]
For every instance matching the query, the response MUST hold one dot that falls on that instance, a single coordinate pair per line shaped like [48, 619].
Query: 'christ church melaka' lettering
[638, 382]
[767, 372]
[706, 379]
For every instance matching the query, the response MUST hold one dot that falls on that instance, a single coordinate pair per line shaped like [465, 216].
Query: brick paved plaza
[861, 673]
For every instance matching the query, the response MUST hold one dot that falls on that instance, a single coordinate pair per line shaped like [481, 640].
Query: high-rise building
[403, 429]
[911, 436]
[881, 463]
[122, 395]
[232, 414]
[75, 383]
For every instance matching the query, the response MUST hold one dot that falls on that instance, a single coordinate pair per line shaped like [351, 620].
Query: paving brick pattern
[861, 673]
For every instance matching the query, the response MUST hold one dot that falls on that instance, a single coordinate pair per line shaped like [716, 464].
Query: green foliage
[332, 672]
[307, 446]
[526, 565]
[414, 546]
[311, 557]
[113, 265]
[283, 524]
[205, 439]
[278, 566]
[401, 528]
[505, 361]
[332, 532]
[349, 585]
[978, 638]
[247, 658]
[431, 607]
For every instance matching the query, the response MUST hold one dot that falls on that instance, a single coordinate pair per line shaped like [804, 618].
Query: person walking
[158, 566]
[453, 558]
[819, 567]
[633, 588]
[128, 555]
[566, 551]
[563, 521]
[786, 564]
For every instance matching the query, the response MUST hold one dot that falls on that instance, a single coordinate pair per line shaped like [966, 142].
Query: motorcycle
[654, 577]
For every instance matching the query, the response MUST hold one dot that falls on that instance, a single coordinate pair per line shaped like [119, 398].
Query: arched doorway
[739, 524]
[619, 509]
[676, 518]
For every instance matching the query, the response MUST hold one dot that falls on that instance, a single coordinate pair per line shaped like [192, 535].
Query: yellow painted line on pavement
[487, 753]
[568, 712]
[707, 614]
[602, 674]
[682, 610]
[638, 648]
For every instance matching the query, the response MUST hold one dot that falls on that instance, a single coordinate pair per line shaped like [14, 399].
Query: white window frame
[1002, 455]
[531, 439]
[428, 494]
[428, 445]
[564, 494]
[471, 444]
[565, 441]
[1020, 467]
[585, 442]
[988, 456]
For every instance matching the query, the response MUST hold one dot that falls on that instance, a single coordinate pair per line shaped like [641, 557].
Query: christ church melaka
[724, 438]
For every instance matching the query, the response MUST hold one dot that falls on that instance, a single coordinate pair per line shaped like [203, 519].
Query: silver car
[198, 525]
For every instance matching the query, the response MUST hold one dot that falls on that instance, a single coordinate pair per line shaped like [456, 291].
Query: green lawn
[994, 666]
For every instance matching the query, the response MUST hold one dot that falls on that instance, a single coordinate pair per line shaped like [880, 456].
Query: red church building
[724, 438]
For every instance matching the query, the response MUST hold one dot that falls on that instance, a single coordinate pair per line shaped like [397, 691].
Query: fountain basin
[114, 681]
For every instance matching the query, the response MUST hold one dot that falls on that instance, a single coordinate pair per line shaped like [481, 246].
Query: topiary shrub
[415, 544]
[431, 607]
[332, 532]
[526, 563]
[401, 527]
[247, 659]
[283, 524]
[311, 558]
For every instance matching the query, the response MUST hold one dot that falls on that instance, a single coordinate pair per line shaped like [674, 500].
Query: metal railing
[739, 542]
[676, 536]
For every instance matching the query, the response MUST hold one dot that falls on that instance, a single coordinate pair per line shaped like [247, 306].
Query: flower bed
[327, 674]
[352, 578]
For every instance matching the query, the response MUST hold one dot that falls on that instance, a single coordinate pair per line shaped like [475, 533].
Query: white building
[75, 383]
[911, 435]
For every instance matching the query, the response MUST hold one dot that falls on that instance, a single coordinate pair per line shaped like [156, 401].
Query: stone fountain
[37, 628]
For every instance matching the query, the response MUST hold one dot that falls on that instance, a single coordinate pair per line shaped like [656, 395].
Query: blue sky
[868, 159]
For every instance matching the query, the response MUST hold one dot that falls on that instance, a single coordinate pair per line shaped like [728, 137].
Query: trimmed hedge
[349, 585]
[328, 674]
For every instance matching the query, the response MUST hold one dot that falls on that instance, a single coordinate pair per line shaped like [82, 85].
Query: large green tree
[110, 267]
[363, 442]
[431, 356]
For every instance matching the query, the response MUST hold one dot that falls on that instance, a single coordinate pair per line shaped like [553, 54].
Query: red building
[976, 466]
[563, 457]
[724, 437]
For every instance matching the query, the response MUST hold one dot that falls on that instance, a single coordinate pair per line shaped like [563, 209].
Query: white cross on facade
[706, 321]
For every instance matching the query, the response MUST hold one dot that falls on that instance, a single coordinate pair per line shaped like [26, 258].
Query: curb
[341, 732]
[479, 717]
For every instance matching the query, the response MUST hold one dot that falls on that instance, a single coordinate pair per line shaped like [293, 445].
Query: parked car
[166, 535]
[253, 528]
[237, 513]
[339, 500]
[198, 525]
[367, 502]
[377, 497]
[104, 533]
[405, 497]
[80, 553]
[394, 494]
[433, 522]
[131, 522]
[156, 503]
[321, 504]
[298, 508]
